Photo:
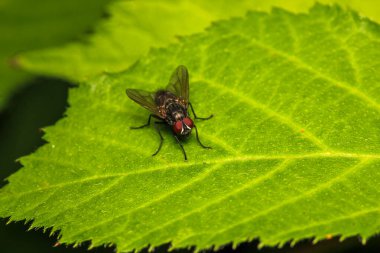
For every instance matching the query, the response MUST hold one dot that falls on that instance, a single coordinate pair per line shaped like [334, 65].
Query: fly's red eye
[188, 122]
[177, 127]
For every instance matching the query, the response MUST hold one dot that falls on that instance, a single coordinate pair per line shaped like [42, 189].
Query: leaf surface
[136, 26]
[295, 140]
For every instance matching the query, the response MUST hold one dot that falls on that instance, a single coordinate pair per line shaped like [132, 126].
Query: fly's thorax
[175, 112]
[163, 98]
[171, 107]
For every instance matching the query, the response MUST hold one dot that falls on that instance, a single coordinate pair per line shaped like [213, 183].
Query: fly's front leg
[159, 133]
[147, 124]
[196, 117]
[200, 143]
[180, 144]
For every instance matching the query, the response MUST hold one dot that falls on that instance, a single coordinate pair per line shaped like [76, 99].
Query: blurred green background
[36, 102]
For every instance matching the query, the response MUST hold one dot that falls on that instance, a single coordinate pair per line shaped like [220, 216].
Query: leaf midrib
[243, 158]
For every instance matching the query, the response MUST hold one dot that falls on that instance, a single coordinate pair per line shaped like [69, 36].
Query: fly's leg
[180, 144]
[195, 116]
[159, 133]
[200, 143]
[147, 124]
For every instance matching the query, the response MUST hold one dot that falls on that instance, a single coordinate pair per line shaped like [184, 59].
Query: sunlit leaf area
[289, 161]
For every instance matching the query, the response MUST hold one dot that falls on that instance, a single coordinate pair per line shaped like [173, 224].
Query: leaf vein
[298, 61]
[281, 166]
[320, 187]
[281, 118]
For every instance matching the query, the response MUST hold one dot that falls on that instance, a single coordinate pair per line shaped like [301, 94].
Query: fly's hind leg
[196, 117]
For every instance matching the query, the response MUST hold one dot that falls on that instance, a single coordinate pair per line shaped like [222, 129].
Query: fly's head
[183, 127]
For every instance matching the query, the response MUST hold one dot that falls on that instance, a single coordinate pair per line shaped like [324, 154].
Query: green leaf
[49, 24]
[295, 137]
[135, 27]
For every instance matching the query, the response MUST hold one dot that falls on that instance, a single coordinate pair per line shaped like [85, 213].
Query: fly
[170, 106]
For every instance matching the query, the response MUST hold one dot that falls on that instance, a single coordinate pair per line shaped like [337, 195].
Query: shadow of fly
[170, 106]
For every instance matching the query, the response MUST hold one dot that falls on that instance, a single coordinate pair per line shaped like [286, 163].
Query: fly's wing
[179, 83]
[145, 99]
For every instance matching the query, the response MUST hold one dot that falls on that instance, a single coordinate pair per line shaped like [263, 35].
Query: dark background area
[41, 103]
